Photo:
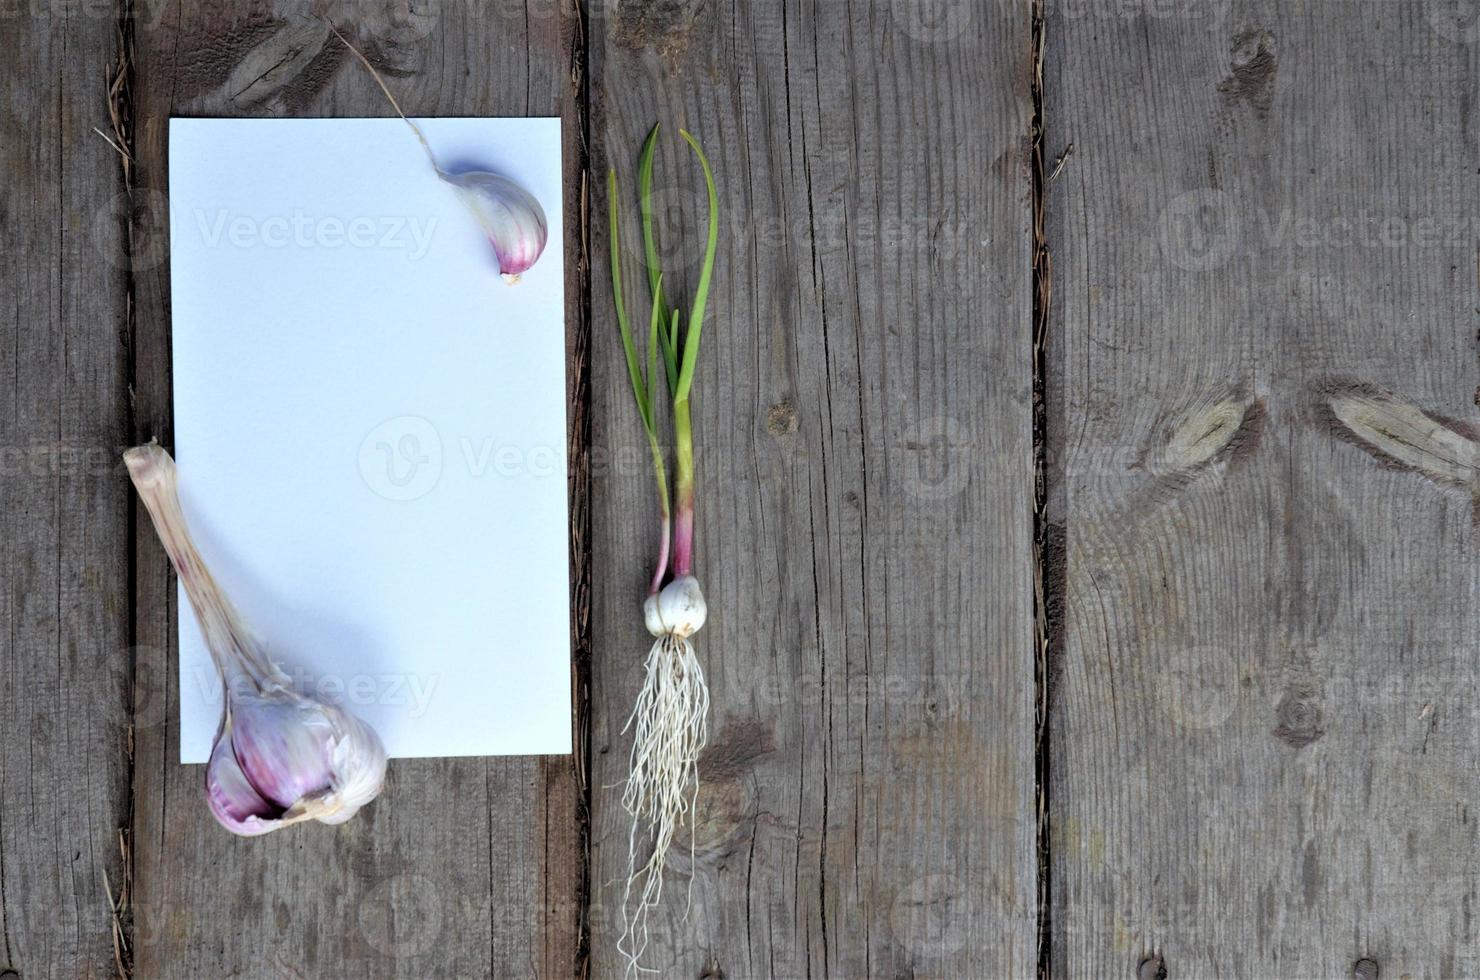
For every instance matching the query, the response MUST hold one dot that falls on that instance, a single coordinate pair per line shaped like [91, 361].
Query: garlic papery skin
[650, 617]
[280, 757]
[681, 609]
[509, 215]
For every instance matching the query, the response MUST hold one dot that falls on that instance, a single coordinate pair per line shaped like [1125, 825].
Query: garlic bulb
[511, 218]
[678, 608]
[670, 727]
[279, 757]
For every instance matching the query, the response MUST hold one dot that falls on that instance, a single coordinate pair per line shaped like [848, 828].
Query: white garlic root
[670, 730]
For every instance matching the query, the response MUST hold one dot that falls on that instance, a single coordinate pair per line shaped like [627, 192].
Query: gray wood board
[462, 867]
[64, 530]
[865, 484]
[1263, 721]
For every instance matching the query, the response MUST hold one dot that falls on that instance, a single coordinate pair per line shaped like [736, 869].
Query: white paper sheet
[370, 425]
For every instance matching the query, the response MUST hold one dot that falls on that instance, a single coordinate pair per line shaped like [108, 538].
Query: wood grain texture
[864, 468]
[462, 867]
[1263, 723]
[64, 527]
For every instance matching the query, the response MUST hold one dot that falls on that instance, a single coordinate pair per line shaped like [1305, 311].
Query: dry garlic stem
[279, 757]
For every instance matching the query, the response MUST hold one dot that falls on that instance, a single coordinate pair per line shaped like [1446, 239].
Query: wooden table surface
[1090, 539]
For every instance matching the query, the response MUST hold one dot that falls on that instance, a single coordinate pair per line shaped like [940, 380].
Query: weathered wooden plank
[865, 472]
[463, 867]
[64, 527]
[1263, 734]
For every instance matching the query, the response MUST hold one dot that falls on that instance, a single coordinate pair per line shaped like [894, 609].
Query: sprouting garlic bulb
[510, 216]
[279, 757]
[678, 609]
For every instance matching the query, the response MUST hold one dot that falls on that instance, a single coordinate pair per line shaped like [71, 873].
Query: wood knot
[781, 419]
[1152, 967]
[738, 746]
[1365, 969]
[723, 820]
[1401, 436]
[664, 26]
[1299, 716]
[1252, 69]
[1224, 425]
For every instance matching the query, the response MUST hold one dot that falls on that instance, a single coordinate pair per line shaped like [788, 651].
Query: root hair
[670, 729]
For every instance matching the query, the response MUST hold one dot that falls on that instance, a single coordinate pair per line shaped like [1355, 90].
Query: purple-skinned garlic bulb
[279, 758]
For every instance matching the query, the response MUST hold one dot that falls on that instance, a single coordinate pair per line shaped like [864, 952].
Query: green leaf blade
[701, 293]
[645, 200]
[634, 365]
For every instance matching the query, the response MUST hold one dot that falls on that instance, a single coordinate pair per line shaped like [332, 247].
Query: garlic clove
[233, 800]
[510, 216]
[650, 616]
[311, 759]
[681, 607]
[282, 745]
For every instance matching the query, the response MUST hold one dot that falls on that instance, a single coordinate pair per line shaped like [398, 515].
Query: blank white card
[370, 425]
